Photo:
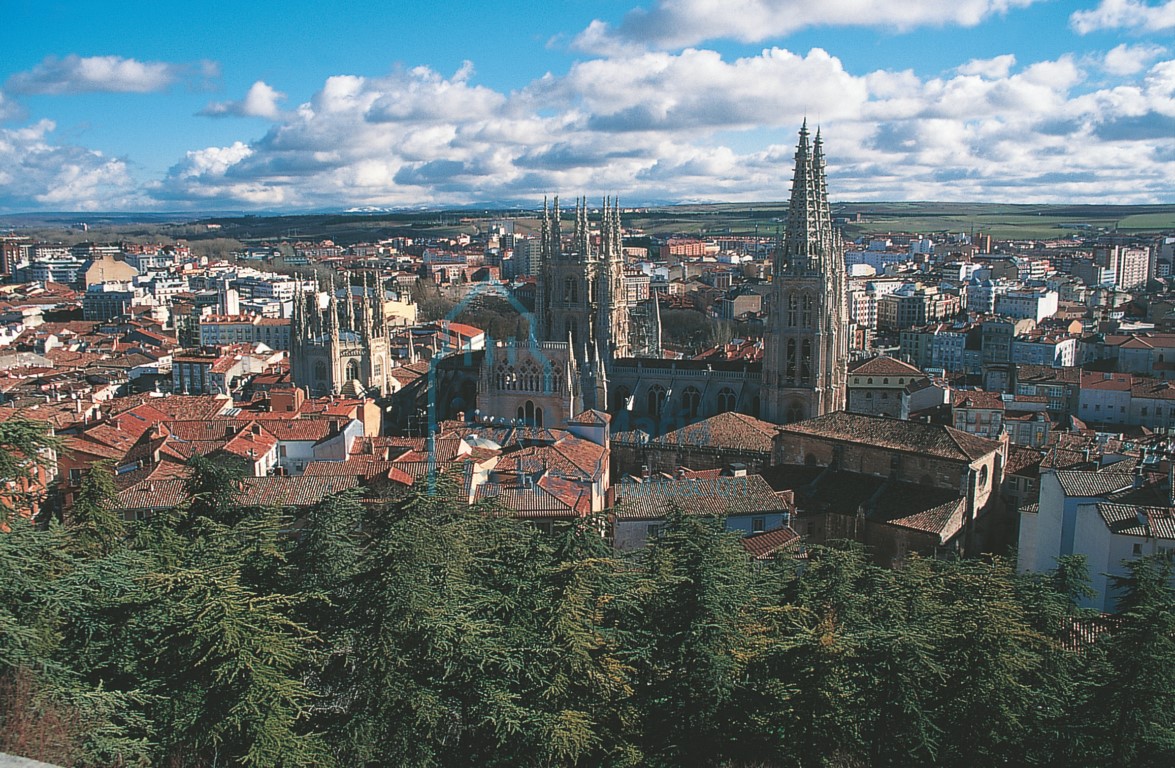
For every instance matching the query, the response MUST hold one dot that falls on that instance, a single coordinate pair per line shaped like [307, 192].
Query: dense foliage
[420, 632]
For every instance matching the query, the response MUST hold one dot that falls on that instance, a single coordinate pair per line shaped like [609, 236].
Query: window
[1137, 549]
[758, 524]
[75, 475]
[725, 400]
[352, 370]
[656, 399]
[793, 305]
[571, 291]
[691, 401]
[320, 372]
[807, 311]
[983, 477]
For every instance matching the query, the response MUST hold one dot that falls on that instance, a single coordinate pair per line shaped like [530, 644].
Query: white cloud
[695, 125]
[1126, 14]
[9, 109]
[1131, 59]
[673, 24]
[103, 74]
[999, 66]
[35, 173]
[261, 100]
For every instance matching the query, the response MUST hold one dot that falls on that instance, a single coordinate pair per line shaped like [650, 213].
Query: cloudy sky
[311, 105]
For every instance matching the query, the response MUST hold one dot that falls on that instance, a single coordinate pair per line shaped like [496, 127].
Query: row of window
[691, 400]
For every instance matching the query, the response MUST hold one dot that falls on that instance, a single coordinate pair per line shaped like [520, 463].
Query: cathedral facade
[339, 348]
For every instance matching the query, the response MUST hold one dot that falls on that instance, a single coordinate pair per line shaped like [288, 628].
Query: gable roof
[724, 431]
[884, 365]
[907, 436]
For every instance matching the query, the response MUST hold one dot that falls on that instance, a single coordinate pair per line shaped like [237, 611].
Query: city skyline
[139, 107]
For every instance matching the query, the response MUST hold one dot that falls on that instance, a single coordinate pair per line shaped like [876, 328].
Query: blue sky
[310, 105]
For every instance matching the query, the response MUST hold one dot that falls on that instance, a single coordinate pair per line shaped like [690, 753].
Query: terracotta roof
[1092, 484]
[884, 366]
[529, 502]
[592, 418]
[974, 398]
[652, 498]
[764, 545]
[1023, 461]
[1131, 520]
[260, 491]
[909, 436]
[725, 431]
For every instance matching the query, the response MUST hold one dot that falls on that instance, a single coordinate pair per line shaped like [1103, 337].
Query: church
[585, 351]
[581, 354]
[339, 348]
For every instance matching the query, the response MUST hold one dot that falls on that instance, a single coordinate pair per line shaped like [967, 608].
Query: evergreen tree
[94, 524]
[1135, 697]
[696, 624]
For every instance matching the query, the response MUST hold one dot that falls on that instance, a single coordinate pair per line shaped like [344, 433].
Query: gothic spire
[556, 230]
[352, 325]
[808, 235]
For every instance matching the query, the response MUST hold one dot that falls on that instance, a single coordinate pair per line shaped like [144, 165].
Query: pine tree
[696, 623]
[1135, 697]
[94, 524]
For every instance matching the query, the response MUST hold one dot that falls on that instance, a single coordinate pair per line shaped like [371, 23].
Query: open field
[1002, 221]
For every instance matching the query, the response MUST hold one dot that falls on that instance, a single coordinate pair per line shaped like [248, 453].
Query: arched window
[538, 417]
[791, 361]
[320, 372]
[521, 415]
[983, 477]
[795, 412]
[793, 305]
[352, 370]
[806, 364]
[807, 310]
[691, 401]
[529, 375]
[656, 399]
[548, 377]
[725, 400]
[528, 417]
[571, 291]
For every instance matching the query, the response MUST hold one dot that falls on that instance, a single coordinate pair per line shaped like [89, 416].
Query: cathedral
[339, 348]
[581, 352]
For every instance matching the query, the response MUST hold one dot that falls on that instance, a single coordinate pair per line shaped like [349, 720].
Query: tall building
[581, 298]
[806, 350]
[339, 349]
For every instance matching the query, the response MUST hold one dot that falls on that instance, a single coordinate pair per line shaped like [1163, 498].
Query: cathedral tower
[340, 349]
[806, 349]
[581, 298]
